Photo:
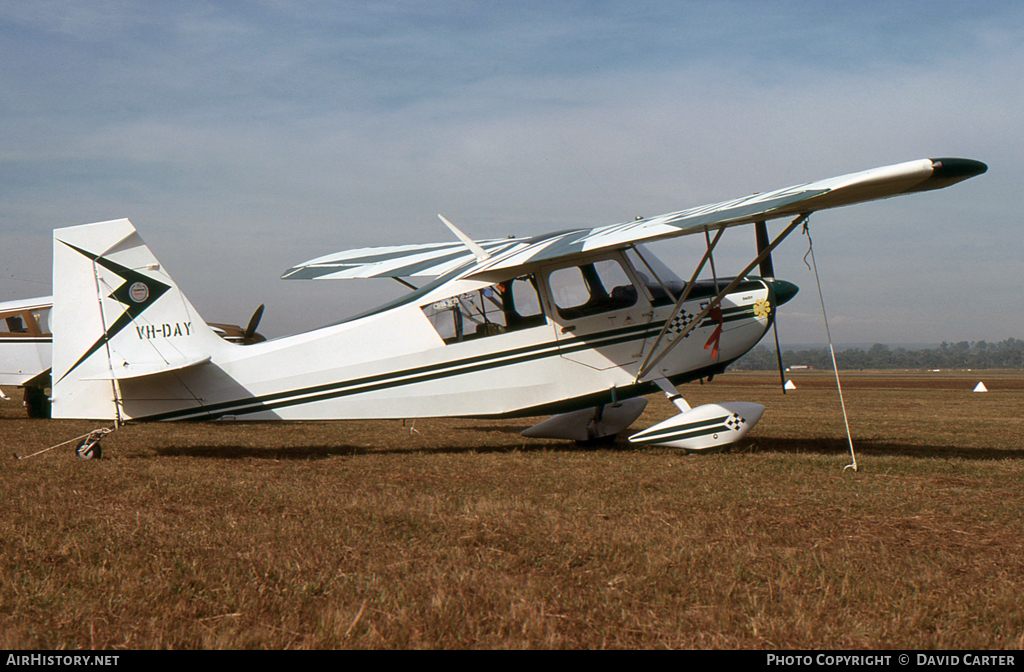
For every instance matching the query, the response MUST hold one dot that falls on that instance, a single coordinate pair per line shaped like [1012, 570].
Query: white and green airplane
[580, 324]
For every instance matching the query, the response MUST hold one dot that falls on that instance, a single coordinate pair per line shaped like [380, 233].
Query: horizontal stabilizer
[127, 371]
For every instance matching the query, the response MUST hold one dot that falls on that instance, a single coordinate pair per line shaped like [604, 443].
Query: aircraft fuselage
[552, 340]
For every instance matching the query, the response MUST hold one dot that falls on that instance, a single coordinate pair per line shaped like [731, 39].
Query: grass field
[462, 534]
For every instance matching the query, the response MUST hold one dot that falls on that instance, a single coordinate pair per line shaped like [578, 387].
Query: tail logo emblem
[138, 292]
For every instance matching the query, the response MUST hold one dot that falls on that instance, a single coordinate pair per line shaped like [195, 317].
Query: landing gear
[605, 441]
[597, 426]
[706, 427]
[89, 448]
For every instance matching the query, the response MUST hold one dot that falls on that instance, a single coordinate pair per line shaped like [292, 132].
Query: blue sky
[243, 138]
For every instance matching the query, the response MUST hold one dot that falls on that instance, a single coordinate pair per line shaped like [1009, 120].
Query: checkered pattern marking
[681, 322]
[734, 422]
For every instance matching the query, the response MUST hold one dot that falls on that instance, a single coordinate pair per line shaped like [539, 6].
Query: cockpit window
[579, 291]
[495, 309]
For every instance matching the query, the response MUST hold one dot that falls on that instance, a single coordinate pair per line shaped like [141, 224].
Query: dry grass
[361, 534]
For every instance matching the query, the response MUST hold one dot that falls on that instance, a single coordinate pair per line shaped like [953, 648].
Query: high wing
[399, 261]
[38, 303]
[437, 259]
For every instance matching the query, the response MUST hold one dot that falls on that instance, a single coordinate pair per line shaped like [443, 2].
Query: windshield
[663, 285]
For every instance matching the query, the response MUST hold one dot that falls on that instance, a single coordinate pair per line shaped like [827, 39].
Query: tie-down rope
[835, 367]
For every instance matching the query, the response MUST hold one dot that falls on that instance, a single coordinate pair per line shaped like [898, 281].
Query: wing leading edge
[439, 258]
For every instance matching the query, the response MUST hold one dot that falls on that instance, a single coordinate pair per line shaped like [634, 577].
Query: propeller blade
[254, 322]
[768, 273]
[767, 268]
[778, 352]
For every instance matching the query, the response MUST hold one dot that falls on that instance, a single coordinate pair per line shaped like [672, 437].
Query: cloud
[243, 142]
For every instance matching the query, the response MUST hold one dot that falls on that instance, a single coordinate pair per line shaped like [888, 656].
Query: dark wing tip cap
[947, 171]
[961, 169]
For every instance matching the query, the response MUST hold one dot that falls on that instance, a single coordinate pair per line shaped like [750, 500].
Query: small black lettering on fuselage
[165, 330]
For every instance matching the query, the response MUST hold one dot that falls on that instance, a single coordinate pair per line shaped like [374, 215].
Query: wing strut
[651, 360]
[711, 259]
[645, 367]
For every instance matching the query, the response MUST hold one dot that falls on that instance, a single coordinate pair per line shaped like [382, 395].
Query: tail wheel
[89, 448]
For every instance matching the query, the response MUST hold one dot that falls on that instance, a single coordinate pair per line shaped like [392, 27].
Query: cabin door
[601, 319]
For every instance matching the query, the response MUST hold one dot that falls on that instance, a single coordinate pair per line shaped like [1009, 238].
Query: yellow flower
[762, 308]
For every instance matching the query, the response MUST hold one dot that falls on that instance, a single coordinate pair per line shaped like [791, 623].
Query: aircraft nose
[784, 291]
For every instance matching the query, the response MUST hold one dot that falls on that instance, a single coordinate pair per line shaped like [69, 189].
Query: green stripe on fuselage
[427, 373]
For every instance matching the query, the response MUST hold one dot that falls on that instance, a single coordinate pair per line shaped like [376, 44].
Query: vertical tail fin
[116, 315]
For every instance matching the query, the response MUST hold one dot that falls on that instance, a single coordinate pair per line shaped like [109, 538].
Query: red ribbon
[716, 336]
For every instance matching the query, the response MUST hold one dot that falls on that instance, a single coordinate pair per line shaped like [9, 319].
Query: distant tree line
[1008, 354]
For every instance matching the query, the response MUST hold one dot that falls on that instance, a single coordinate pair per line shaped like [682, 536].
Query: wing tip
[953, 168]
[948, 171]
